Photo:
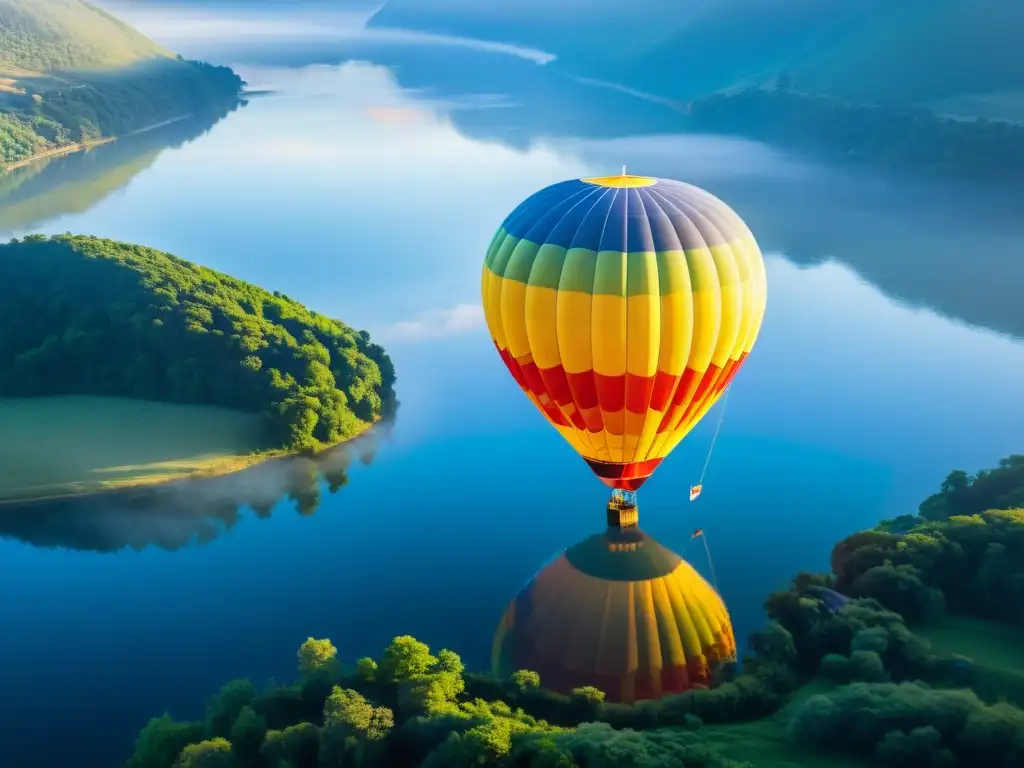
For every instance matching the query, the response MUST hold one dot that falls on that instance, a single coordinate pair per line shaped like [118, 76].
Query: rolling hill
[42, 35]
[72, 75]
[957, 55]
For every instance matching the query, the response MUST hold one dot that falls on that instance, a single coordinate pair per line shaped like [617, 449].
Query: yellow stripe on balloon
[760, 290]
[541, 329]
[707, 324]
[575, 340]
[614, 428]
[648, 645]
[491, 293]
[731, 306]
[671, 644]
[748, 318]
[513, 317]
[575, 439]
[608, 334]
[648, 434]
[643, 334]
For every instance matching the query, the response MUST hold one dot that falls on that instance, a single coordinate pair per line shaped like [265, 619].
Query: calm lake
[367, 185]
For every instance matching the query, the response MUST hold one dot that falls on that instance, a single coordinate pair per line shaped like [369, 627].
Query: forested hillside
[41, 35]
[71, 74]
[84, 315]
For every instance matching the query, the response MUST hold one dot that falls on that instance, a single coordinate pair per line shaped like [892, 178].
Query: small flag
[695, 491]
[698, 532]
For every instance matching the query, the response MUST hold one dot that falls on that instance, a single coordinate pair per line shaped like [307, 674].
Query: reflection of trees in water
[946, 247]
[949, 247]
[75, 182]
[173, 515]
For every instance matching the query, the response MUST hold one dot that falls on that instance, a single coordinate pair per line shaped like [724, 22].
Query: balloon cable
[721, 418]
[711, 564]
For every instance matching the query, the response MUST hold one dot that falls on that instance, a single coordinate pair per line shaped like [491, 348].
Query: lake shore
[68, 149]
[48, 455]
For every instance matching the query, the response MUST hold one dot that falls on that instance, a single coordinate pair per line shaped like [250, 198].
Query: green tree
[212, 753]
[405, 658]
[366, 668]
[225, 707]
[160, 743]
[247, 734]
[525, 679]
[317, 656]
[349, 708]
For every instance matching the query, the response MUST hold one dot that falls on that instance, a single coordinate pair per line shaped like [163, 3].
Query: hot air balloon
[623, 306]
[621, 613]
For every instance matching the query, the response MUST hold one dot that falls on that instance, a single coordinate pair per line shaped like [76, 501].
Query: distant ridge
[45, 35]
[959, 56]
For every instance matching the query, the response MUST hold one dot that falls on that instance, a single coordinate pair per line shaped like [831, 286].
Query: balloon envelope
[621, 613]
[623, 306]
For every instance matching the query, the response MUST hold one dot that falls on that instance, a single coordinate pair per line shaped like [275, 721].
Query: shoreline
[80, 146]
[67, 149]
[237, 464]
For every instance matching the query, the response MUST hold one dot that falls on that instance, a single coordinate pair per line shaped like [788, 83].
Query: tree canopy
[85, 315]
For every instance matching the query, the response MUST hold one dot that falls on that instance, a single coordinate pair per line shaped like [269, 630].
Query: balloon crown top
[622, 180]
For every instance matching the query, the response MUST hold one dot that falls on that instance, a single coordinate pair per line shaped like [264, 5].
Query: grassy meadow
[765, 742]
[994, 649]
[65, 445]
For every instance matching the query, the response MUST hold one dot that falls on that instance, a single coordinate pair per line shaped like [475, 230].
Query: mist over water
[192, 27]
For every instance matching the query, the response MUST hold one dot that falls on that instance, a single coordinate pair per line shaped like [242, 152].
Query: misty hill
[72, 75]
[914, 51]
[40, 35]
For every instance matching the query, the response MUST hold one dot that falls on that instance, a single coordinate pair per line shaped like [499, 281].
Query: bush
[899, 722]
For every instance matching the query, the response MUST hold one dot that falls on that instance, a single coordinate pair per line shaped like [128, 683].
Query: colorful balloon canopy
[623, 306]
[621, 613]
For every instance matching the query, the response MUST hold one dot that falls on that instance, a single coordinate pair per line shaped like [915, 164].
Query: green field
[64, 445]
[765, 743]
[997, 651]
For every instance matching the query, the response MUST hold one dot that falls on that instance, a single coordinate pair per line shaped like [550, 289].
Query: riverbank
[57, 152]
[83, 145]
[50, 449]
[44, 111]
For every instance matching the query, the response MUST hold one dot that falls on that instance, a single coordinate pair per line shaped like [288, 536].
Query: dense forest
[915, 140]
[48, 112]
[84, 315]
[847, 675]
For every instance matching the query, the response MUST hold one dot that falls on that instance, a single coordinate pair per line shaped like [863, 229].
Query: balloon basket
[622, 514]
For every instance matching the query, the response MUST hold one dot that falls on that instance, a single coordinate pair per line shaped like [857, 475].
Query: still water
[367, 185]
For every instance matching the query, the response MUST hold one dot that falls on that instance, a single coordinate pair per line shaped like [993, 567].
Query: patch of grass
[765, 743]
[995, 650]
[55, 446]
